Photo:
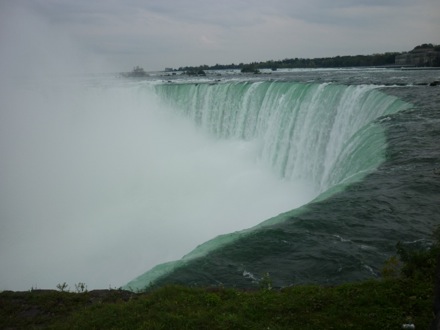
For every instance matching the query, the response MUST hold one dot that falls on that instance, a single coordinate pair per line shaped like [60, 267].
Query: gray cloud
[163, 33]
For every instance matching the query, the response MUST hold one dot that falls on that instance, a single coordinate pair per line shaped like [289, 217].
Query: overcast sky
[170, 33]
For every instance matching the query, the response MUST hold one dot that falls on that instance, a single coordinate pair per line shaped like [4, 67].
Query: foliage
[62, 286]
[392, 268]
[81, 287]
[423, 46]
[265, 283]
[420, 263]
[381, 59]
[250, 69]
[403, 297]
[385, 304]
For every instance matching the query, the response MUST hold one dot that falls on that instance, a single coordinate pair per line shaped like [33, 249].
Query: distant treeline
[384, 59]
[325, 62]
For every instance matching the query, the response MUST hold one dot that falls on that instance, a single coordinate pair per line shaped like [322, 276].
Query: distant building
[169, 69]
[419, 57]
[137, 72]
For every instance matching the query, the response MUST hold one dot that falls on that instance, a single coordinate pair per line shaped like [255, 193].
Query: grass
[378, 304]
[404, 296]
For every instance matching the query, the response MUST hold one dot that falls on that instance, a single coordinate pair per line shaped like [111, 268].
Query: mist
[99, 181]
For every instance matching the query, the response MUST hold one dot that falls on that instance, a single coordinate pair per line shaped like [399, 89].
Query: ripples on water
[349, 235]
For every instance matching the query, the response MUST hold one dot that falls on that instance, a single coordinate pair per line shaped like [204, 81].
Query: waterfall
[319, 133]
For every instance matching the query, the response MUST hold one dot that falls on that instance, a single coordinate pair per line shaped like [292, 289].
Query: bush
[417, 263]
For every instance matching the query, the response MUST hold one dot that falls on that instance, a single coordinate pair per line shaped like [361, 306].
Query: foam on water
[100, 182]
[319, 136]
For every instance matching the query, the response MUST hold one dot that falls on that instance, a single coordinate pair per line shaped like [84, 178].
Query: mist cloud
[98, 185]
[98, 180]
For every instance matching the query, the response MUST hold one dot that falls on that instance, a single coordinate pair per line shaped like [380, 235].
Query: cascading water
[100, 181]
[306, 132]
[323, 135]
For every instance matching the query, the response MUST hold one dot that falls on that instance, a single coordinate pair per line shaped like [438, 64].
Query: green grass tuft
[404, 295]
